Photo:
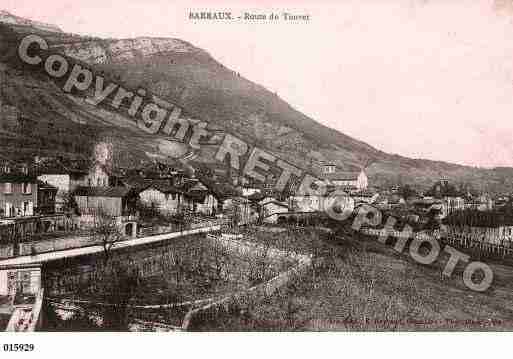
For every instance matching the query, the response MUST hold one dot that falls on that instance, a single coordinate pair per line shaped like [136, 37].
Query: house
[307, 203]
[18, 195]
[204, 200]
[9, 166]
[452, 199]
[5, 166]
[358, 180]
[328, 168]
[100, 175]
[365, 196]
[271, 208]
[113, 201]
[10, 116]
[46, 194]
[330, 175]
[242, 208]
[256, 197]
[66, 181]
[166, 198]
[161, 171]
[249, 191]
[481, 203]
[452, 204]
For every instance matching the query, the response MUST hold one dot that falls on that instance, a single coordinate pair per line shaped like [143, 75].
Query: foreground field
[358, 283]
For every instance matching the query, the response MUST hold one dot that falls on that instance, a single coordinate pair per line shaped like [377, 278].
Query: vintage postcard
[256, 166]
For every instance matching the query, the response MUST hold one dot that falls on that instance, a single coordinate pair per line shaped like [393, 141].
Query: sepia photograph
[249, 167]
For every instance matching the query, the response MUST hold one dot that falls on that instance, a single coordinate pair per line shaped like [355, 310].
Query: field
[358, 283]
[158, 283]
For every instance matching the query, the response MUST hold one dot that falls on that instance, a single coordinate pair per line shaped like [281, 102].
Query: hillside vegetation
[187, 76]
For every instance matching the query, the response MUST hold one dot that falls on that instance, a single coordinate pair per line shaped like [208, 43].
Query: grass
[187, 270]
[360, 284]
[355, 284]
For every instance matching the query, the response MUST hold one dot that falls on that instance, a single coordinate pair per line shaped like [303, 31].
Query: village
[256, 179]
[163, 223]
[93, 237]
[51, 199]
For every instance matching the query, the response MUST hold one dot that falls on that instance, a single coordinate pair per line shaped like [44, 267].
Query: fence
[486, 240]
[213, 310]
[27, 318]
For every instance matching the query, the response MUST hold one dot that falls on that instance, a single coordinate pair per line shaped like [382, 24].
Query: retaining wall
[195, 317]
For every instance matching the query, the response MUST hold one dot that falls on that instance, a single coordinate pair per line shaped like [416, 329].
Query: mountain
[179, 73]
[8, 18]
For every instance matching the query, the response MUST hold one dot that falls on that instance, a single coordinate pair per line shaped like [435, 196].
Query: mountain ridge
[190, 77]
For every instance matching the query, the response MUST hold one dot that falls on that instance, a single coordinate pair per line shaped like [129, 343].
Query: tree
[443, 189]
[235, 217]
[105, 231]
[406, 191]
[69, 204]
[119, 286]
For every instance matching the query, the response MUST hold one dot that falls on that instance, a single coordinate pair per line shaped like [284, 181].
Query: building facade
[331, 176]
[18, 195]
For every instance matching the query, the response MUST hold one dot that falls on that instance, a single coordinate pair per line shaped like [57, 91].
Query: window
[8, 188]
[28, 209]
[9, 209]
[27, 188]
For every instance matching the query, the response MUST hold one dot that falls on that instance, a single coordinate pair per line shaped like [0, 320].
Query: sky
[420, 78]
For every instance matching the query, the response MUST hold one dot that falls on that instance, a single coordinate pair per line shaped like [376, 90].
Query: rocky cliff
[189, 77]
[8, 18]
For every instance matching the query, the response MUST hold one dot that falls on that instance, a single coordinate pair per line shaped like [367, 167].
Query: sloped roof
[137, 182]
[16, 178]
[257, 196]
[276, 202]
[476, 218]
[341, 176]
[56, 167]
[198, 196]
[443, 189]
[198, 186]
[365, 193]
[46, 186]
[338, 190]
[344, 188]
[102, 191]
[162, 186]
[395, 199]
[238, 199]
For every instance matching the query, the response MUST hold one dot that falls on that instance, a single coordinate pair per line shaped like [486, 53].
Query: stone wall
[69, 276]
[224, 306]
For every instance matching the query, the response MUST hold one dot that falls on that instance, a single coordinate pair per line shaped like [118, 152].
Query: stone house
[166, 198]
[204, 200]
[113, 201]
[331, 176]
[46, 195]
[270, 208]
[18, 195]
[66, 181]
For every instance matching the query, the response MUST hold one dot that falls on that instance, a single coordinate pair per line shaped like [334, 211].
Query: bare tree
[105, 231]
[68, 202]
[119, 286]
